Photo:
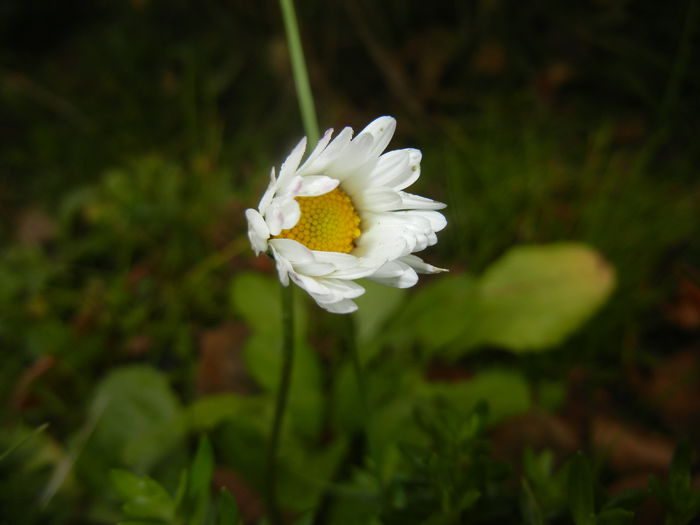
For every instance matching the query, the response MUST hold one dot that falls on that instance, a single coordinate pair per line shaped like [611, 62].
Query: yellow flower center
[328, 223]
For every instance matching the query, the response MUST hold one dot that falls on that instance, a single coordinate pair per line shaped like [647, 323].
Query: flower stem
[308, 117]
[301, 76]
[281, 403]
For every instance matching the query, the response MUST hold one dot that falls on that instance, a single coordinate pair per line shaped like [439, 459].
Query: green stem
[308, 116]
[301, 76]
[281, 403]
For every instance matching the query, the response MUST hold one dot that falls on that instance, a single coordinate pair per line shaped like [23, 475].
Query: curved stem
[308, 116]
[281, 403]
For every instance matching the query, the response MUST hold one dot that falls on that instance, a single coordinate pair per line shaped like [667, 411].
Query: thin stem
[281, 403]
[301, 76]
[362, 389]
[308, 116]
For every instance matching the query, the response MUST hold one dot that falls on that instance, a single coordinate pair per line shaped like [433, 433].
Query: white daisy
[343, 215]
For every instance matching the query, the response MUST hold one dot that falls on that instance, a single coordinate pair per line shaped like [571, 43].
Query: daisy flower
[342, 215]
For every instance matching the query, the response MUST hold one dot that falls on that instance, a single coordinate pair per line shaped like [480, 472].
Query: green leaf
[681, 501]
[140, 419]
[580, 491]
[615, 517]
[207, 412]
[375, 308]
[199, 484]
[202, 468]
[506, 392]
[144, 497]
[140, 395]
[228, 510]
[679, 472]
[257, 298]
[438, 314]
[529, 505]
[628, 499]
[24, 439]
[535, 296]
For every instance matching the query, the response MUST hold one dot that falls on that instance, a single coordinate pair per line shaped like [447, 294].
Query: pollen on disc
[328, 223]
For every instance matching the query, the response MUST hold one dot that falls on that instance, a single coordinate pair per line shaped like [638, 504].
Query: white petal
[377, 200]
[347, 289]
[420, 266]
[358, 272]
[329, 154]
[427, 220]
[313, 286]
[397, 169]
[337, 259]
[291, 163]
[284, 268]
[347, 266]
[313, 156]
[282, 214]
[437, 220]
[381, 130]
[258, 232]
[396, 274]
[415, 228]
[416, 202]
[293, 251]
[356, 154]
[345, 306]
[314, 269]
[385, 242]
[269, 193]
[314, 185]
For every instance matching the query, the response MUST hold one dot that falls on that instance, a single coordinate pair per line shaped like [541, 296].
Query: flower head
[343, 215]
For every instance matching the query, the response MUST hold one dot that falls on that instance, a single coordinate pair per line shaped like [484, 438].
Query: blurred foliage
[134, 319]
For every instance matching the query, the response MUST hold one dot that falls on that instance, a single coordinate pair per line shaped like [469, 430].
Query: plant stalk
[273, 508]
[301, 76]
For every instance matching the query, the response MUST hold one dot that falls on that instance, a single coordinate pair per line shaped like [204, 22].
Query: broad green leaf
[580, 491]
[506, 392]
[257, 298]
[439, 314]
[139, 417]
[535, 296]
[143, 496]
[263, 355]
[207, 412]
[306, 472]
[375, 308]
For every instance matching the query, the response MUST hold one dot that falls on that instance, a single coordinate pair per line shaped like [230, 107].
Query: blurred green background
[134, 317]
